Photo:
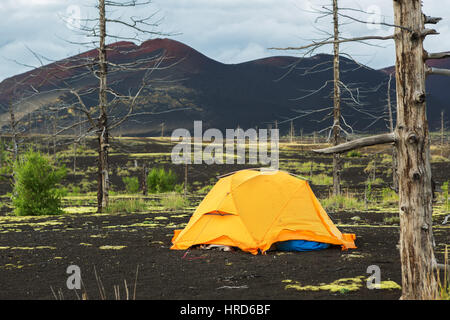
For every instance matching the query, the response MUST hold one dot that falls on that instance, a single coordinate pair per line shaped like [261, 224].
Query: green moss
[179, 216]
[33, 248]
[98, 236]
[438, 158]
[71, 210]
[387, 285]
[351, 256]
[107, 247]
[341, 285]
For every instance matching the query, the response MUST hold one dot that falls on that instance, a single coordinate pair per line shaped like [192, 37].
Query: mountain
[251, 94]
[438, 94]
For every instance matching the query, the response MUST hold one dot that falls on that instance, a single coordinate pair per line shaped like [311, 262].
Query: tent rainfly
[254, 209]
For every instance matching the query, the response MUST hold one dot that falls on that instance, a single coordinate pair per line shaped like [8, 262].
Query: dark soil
[168, 274]
[35, 253]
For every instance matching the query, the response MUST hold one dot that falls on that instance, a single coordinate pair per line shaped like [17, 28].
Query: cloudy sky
[230, 31]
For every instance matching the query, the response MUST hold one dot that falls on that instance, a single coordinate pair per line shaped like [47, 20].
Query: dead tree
[99, 117]
[101, 120]
[14, 132]
[16, 129]
[291, 132]
[341, 92]
[336, 103]
[442, 132]
[391, 129]
[144, 179]
[412, 142]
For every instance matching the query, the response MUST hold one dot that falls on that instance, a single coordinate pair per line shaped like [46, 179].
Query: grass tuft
[174, 201]
[127, 206]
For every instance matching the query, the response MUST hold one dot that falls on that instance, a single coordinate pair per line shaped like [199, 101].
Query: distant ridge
[251, 94]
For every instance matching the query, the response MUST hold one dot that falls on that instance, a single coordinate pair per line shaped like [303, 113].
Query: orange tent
[253, 209]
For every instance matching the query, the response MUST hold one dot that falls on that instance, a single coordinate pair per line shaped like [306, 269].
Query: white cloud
[230, 31]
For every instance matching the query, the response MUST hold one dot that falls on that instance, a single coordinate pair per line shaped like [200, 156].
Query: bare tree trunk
[74, 159]
[185, 179]
[291, 132]
[13, 125]
[144, 180]
[337, 105]
[55, 125]
[413, 148]
[391, 129]
[442, 133]
[103, 132]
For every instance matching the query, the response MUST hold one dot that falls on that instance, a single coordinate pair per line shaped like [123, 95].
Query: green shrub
[76, 190]
[160, 180]
[122, 172]
[205, 189]
[321, 179]
[179, 188]
[377, 181]
[36, 190]
[370, 167]
[174, 201]
[342, 202]
[386, 159]
[5, 162]
[369, 191]
[445, 195]
[392, 220]
[353, 154]
[131, 184]
[388, 196]
[88, 185]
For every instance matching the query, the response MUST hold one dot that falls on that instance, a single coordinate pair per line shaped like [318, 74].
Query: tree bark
[413, 149]
[337, 105]
[144, 180]
[359, 143]
[185, 179]
[442, 133]
[103, 132]
[13, 125]
[391, 128]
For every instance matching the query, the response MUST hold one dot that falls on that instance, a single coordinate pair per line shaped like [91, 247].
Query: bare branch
[436, 55]
[439, 71]
[359, 143]
[427, 32]
[431, 20]
[322, 43]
